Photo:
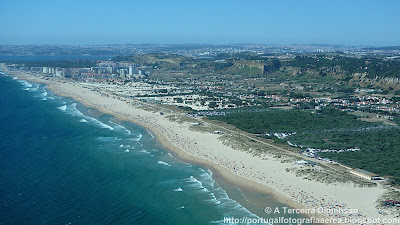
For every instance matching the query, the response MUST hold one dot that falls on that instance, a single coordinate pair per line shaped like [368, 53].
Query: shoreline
[218, 170]
[230, 177]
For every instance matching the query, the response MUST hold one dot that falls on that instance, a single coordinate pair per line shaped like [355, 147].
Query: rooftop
[365, 172]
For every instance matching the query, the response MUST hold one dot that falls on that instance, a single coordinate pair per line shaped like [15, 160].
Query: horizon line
[212, 44]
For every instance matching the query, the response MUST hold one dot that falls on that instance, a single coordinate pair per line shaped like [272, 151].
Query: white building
[364, 174]
[59, 73]
[123, 72]
[132, 70]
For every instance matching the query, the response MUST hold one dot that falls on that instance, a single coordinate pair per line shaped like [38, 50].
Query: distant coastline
[12, 58]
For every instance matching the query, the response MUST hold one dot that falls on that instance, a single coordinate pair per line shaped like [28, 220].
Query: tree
[178, 100]
[276, 64]
[212, 105]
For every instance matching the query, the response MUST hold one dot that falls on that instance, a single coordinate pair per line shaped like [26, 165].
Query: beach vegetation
[328, 129]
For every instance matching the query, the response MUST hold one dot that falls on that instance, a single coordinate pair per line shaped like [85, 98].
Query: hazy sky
[349, 22]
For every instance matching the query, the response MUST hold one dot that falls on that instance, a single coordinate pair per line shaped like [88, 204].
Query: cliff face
[380, 82]
[336, 73]
[331, 73]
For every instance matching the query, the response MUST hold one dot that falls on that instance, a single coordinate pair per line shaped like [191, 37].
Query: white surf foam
[144, 151]
[195, 184]
[119, 127]
[25, 83]
[33, 89]
[178, 189]
[217, 196]
[75, 112]
[222, 199]
[136, 139]
[63, 108]
[152, 136]
[214, 199]
[83, 121]
[163, 163]
[207, 178]
[43, 94]
[102, 125]
[108, 139]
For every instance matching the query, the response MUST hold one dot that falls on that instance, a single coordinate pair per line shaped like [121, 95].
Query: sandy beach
[263, 173]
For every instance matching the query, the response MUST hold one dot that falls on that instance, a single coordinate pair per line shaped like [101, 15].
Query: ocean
[63, 163]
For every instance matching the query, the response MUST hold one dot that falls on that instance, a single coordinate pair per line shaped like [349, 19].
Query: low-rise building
[305, 162]
[364, 174]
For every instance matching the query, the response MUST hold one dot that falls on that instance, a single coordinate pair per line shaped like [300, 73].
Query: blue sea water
[62, 163]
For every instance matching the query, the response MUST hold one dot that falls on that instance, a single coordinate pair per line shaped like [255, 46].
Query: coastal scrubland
[328, 129]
